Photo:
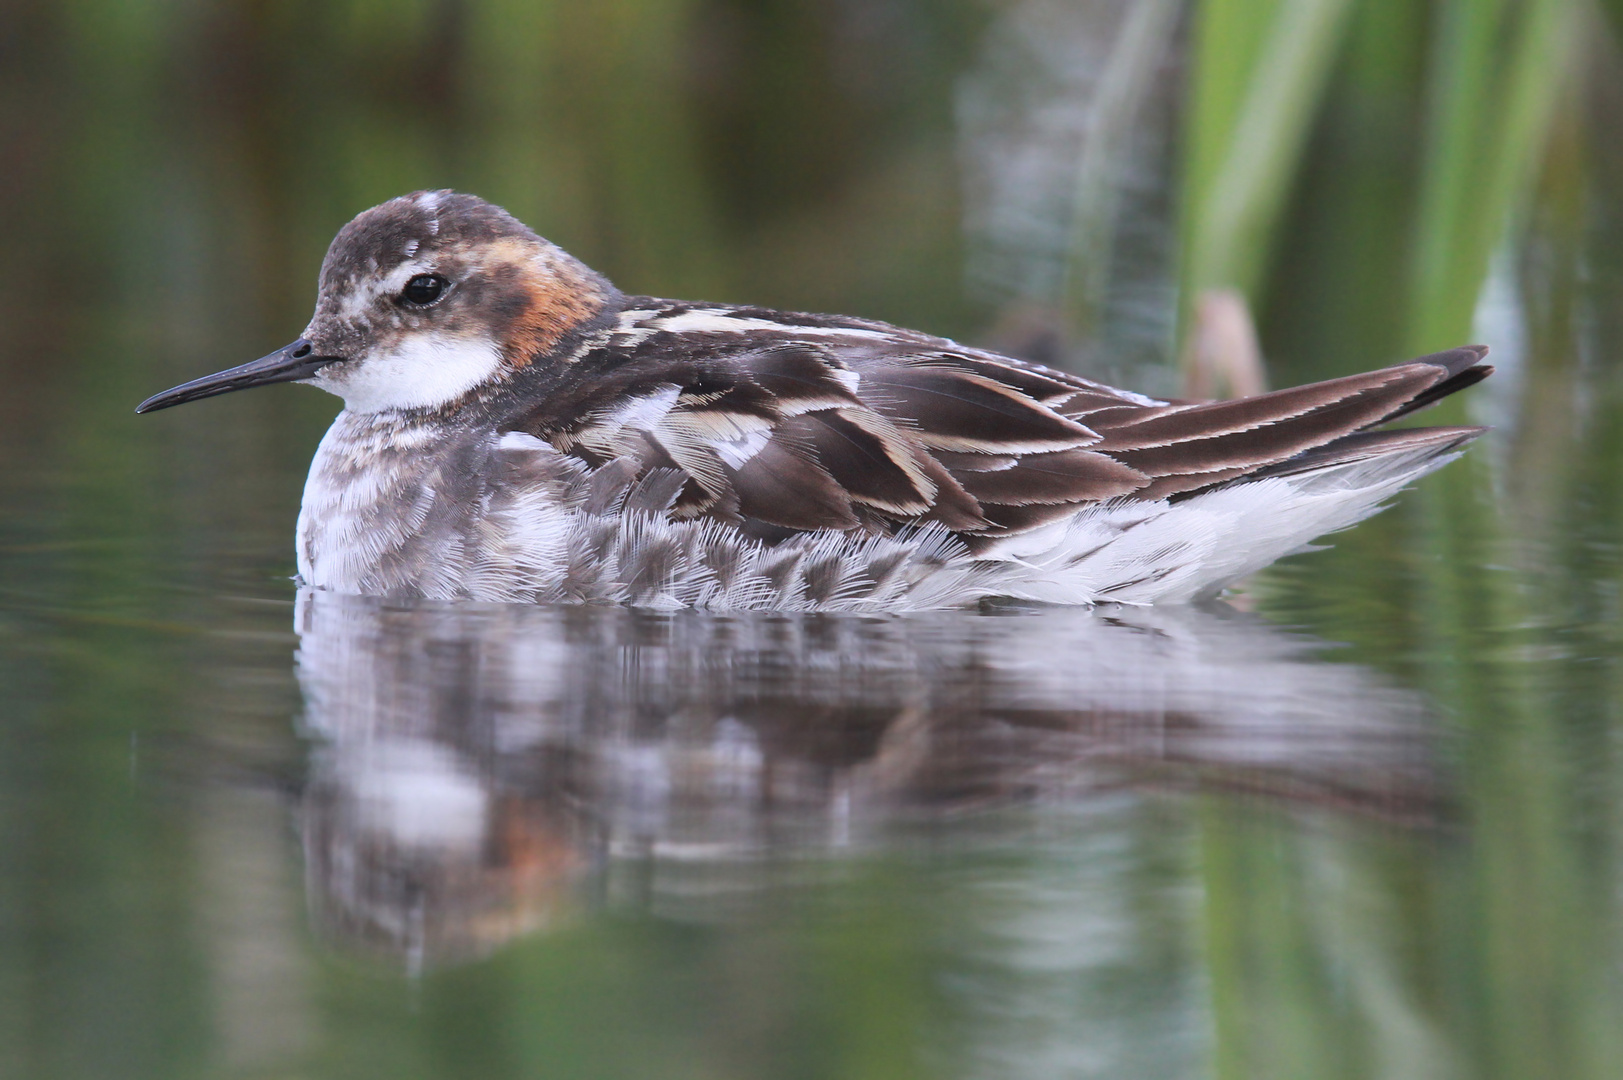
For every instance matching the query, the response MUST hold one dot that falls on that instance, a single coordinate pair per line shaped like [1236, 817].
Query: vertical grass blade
[1497, 68]
[1260, 69]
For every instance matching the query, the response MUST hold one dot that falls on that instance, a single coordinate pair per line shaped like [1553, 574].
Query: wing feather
[781, 423]
[784, 485]
[879, 472]
[952, 409]
[1382, 391]
[1065, 476]
[1203, 459]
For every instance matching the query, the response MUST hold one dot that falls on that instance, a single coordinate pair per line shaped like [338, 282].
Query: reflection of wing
[475, 758]
[792, 423]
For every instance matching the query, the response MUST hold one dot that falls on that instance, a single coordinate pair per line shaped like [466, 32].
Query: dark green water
[1368, 826]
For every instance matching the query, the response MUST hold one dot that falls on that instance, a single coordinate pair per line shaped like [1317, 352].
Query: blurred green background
[1066, 179]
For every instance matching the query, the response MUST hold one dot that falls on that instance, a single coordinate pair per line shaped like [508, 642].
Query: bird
[516, 429]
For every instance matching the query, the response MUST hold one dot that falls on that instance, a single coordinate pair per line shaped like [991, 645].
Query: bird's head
[424, 301]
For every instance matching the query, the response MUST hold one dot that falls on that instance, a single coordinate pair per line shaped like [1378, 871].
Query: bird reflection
[475, 765]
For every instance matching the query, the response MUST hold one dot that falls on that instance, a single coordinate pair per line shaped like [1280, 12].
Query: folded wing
[783, 428]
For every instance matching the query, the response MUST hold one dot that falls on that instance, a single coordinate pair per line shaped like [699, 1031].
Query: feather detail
[783, 423]
[1066, 476]
[802, 379]
[952, 409]
[872, 461]
[1378, 391]
[784, 485]
[964, 462]
[1261, 444]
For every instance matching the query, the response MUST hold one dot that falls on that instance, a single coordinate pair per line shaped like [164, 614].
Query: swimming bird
[515, 428]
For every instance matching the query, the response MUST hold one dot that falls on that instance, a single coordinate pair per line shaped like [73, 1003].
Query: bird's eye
[423, 289]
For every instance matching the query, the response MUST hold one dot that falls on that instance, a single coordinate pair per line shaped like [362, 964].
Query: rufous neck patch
[548, 292]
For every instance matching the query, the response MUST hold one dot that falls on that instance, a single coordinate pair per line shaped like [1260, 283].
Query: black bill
[289, 364]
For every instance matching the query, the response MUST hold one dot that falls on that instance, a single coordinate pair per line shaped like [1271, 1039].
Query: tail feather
[1188, 448]
[1372, 446]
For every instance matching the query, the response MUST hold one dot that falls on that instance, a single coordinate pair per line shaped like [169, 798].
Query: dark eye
[423, 289]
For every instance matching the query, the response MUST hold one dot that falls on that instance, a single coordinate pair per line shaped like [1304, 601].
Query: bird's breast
[398, 507]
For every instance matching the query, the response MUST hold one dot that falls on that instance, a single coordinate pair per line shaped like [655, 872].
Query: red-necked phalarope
[515, 428]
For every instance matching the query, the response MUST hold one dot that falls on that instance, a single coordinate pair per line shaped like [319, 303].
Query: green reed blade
[1260, 69]
[1497, 67]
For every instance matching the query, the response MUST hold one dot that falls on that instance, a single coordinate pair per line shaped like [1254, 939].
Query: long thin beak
[289, 364]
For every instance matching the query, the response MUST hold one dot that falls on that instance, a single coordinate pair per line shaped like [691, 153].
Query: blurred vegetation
[1460, 182]
[1377, 177]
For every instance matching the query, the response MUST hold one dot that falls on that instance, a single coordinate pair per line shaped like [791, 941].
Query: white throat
[423, 372]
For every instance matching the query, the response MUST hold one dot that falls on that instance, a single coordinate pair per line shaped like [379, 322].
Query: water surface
[1362, 820]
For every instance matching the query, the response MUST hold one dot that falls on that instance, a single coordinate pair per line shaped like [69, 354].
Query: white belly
[411, 511]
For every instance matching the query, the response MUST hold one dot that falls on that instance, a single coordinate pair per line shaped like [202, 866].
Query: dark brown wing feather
[811, 422]
[953, 408]
[785, 484]
[1192, 447]
[1064, 476]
